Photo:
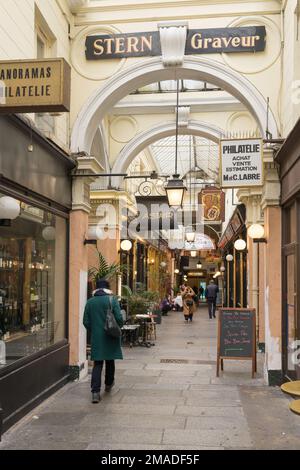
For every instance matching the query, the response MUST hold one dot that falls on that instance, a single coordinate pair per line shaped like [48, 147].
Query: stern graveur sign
[202, 41]
[29, 86]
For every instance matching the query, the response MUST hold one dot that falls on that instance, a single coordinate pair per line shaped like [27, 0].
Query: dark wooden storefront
[38, 177]
[288, 158]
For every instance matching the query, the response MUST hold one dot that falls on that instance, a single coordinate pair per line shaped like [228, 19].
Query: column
[272, 274]
[78, 263]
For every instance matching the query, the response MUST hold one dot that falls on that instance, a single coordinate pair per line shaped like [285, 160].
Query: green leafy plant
[139, 301]
[104, 270]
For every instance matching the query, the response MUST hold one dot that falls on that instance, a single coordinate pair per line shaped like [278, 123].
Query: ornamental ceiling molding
[89, 69]
[152, 70]
[264, 61]
[76, 5]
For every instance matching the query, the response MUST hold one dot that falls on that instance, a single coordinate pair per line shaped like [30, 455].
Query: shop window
[32, 283]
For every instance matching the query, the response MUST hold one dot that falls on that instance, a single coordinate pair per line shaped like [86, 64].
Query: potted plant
[140, 301]
[104, 270]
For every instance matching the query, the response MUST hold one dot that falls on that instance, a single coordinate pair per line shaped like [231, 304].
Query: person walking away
[201, 292]
[189, 305]
[103, 347]
[211, 293]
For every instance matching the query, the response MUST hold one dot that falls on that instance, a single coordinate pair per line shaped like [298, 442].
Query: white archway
[146, 138]
[153, 70]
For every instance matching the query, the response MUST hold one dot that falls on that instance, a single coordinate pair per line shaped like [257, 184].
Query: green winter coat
[103, 346]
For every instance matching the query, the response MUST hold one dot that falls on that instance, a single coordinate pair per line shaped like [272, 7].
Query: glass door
[290, 366]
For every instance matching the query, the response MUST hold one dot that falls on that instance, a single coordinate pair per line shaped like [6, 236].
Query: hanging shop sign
[202, 41]
[29, 86]
[213, 204]
[241, 163]
[234, 227]
[236, 336]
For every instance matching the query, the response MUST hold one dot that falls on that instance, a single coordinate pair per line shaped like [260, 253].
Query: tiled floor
[166, 405]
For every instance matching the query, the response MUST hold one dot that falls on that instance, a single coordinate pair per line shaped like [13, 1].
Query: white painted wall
[290, 95]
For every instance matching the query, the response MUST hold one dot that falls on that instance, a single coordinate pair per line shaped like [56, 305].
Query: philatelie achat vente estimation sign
[241, 163]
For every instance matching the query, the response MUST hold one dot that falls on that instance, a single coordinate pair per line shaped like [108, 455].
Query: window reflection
[32, 282]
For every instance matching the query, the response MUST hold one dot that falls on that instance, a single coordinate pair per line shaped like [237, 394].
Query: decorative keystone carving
[183, 116]
[173, 41]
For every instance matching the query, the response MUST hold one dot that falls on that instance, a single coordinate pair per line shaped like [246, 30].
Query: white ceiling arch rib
[156, 133]
[153, 70]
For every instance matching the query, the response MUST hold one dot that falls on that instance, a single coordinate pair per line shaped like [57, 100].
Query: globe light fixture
[175, 188]
[199, 265]
[240, 244]
[49, 233]
[126, 245]
[163, 264]
[9, 208]
[222, 269]
[95, 233]
[193, 254]
[257, 232]
[176, 271]
[229, 258]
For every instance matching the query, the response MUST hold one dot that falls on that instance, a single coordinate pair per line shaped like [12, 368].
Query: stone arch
[146, 138]
[153, 70]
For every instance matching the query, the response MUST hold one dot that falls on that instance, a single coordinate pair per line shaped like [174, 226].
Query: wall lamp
[257, 232]
[94, 234]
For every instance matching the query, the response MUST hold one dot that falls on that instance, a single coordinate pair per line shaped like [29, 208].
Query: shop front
[288, 158]
[35, 201]
[232, 245]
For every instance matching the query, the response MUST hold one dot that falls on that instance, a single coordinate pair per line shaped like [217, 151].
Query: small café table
[145, 318]
[131, 331]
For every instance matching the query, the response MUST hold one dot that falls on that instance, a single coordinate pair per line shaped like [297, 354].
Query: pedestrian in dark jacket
[211, 293]
[103, 347]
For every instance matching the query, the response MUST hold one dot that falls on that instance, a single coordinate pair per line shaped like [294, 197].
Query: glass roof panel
[170, 86]
[194, 153]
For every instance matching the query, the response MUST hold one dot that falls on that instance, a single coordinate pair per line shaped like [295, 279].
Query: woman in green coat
[104, 347]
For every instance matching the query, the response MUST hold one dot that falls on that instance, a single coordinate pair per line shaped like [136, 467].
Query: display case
[26, 323]
[11, 281]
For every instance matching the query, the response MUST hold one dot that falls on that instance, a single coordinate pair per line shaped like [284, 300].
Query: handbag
[111, 326]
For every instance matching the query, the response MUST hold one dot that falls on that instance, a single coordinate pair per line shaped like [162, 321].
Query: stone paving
[161, 403]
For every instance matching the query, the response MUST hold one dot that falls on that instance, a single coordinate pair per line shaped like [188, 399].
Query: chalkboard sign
[237, 336]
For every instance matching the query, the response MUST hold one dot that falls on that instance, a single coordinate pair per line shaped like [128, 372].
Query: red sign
[213, 202]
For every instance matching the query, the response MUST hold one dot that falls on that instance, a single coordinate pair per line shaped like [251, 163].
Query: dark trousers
[97, 372]
[211, 307]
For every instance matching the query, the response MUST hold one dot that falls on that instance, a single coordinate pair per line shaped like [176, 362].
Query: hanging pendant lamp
[175, 187]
